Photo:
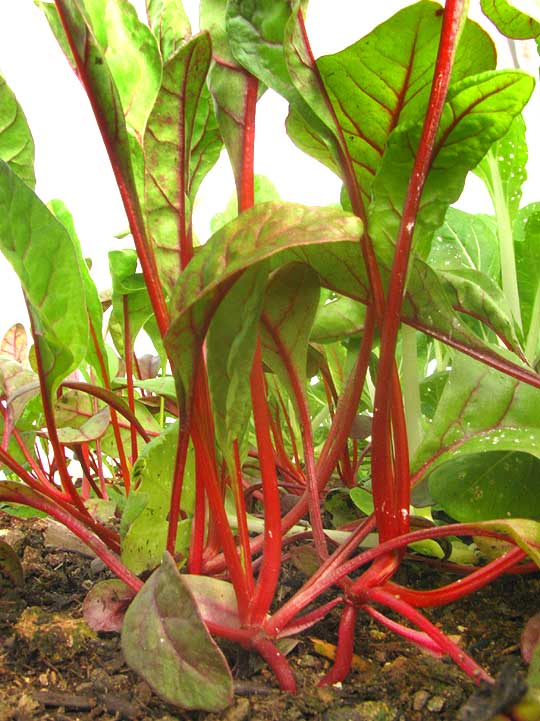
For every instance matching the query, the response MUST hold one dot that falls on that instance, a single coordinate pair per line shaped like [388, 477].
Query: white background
[71, 163]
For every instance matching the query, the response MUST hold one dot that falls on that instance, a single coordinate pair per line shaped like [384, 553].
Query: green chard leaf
[229, 354]
[16, 142]
[324, 238]
[480, 410]
[169, 23]
[144, 523]
[479, 110]
[526, 231]
[165, 640]
[377, 84]
[181, 144]
[337, 317]
[228, 83]
[519, 19]
[49, 265]
[290, 305]
[466, 241]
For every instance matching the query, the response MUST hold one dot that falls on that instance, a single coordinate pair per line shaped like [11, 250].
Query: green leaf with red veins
[325, 238]
[147, 420]
[478, 112]
[337, 317]
[290, 305]
[216, 599]
[92, 429]
[471, 290]
[519, 19]
[377, 84]
[480, 410]
[526, 242]
[485, 486]
[16, 142]
[181, 144]
[164, 639]
[93, 303]
[14, 344]
[230, 348]
[169, 23]
[48, 264]
[130, 51]
[466, 241]
[228, 83]
[127, 283]
[106, 97]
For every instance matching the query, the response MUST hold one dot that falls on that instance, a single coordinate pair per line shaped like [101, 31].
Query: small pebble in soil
[420, 699]
[436, 704]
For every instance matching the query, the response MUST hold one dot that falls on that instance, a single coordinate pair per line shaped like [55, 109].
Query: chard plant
[383, 352]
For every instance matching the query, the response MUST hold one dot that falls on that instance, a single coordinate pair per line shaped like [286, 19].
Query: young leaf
[478, 111]
[229, 85]
[165, 640]
[466, 241]
[181, 144]
[169, 23]
[105, 605]
[16, 142]
[90, 430]
[326, 239]
[48, 264]
[514, 18]
[144, 521]
[337, 317]
[14, 344]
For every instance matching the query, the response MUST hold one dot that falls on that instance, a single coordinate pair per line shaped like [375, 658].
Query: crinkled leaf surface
[181, 144]
[480, 410]
[169, 23]
[16, 142]
[478, 111]
[518, 19]
[165, 640]
[48, 264]
[485, 486]
[144, 520]
[466, 241]
[326, 239]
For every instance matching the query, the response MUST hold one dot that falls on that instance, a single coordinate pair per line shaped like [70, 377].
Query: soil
[66, 673]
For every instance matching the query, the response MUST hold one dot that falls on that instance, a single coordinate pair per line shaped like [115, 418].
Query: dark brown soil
[63, 674]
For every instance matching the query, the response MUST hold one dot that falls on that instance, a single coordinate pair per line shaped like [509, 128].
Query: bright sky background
[71, 163]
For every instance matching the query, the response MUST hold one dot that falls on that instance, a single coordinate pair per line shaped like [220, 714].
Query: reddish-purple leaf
[530, 638]
[105, 605]
[165, 640]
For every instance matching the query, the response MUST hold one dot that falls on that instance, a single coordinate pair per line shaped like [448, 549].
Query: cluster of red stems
[253, 564]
